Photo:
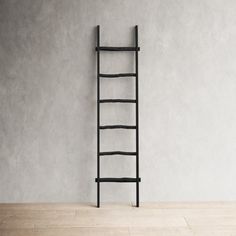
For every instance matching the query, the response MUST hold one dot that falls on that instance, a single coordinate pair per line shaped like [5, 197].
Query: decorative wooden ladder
[99, 179]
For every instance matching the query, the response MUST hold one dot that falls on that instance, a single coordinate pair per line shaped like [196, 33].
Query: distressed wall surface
[48, 99]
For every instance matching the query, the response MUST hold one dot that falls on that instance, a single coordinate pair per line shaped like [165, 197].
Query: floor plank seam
[1, 222]
[186, 221]
[4, 219]
[129, 231]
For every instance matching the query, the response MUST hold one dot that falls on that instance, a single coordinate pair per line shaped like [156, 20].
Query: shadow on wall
[87, 162]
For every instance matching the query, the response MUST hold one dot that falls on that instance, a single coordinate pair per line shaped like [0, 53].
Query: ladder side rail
[98, 117]
[137, 117]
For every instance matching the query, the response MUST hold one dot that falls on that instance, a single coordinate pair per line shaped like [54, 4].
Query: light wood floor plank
[67, 222]
[155, 231]
[86, 232]
[67, 232]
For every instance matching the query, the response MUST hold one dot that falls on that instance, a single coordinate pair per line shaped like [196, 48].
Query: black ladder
[137, 179]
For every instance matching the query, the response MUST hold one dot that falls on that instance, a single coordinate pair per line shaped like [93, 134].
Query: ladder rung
[117, 153]
[117, 127]
[117, 101]
[117, 48]
[119, 180]
[117, 75]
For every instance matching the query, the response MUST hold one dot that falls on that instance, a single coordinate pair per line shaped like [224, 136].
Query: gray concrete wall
[48, 99]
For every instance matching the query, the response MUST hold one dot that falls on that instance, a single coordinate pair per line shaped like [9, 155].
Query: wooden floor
[150, 219]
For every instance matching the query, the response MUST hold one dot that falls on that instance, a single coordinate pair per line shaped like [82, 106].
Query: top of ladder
[120, 49]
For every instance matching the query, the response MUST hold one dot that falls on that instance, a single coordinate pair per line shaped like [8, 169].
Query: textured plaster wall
[48, 99]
